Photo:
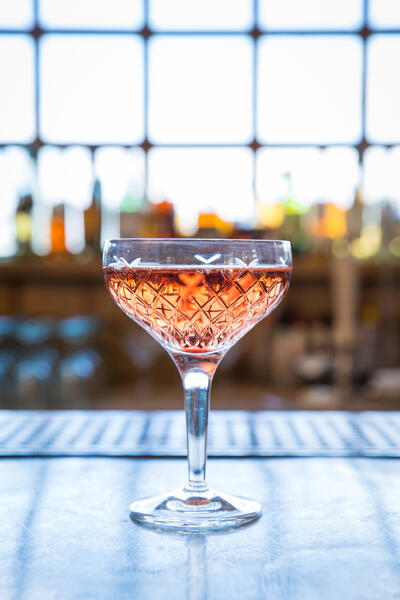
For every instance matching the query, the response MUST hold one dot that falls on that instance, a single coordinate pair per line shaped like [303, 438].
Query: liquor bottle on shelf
[355, 217]
[292, 227]
[388, 227]
[291, 205]
[210, 225]
[81, 370]
[270, 218]
[326, 224]
[131, 211]
[92, 223]
[147, 225]
[154, 220]
[244, 231]
[35, 370]
[164, 215]
[57, 231]
[23, 225]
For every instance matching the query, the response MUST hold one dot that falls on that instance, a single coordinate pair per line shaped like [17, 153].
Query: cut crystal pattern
[197, 309]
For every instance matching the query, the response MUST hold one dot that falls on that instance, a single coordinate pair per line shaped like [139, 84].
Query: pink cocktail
[196, 298]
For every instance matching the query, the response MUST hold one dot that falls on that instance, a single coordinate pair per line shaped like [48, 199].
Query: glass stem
[197, 374]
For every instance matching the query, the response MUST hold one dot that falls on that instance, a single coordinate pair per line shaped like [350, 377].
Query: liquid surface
[195, 309]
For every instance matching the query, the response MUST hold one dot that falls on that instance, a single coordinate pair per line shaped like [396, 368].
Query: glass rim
[194, 240]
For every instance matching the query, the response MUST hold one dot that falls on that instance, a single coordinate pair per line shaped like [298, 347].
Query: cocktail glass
[196, 297]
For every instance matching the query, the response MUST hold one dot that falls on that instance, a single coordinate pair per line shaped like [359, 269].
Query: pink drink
[197, 309]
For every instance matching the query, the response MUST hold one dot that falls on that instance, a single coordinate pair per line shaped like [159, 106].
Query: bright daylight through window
[290, 97]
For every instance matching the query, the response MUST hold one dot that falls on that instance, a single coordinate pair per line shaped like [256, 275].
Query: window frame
[146, 33]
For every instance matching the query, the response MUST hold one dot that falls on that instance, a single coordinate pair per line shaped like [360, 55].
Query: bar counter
[330, 526]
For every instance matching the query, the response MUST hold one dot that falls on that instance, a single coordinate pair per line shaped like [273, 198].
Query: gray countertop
[230, 433]
[330, 529]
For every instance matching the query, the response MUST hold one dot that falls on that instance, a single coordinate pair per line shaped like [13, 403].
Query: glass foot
[188, 510]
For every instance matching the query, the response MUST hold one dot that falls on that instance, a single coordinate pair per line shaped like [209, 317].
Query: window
[381, 174]
[309, 89]
[17, 119]
[294, 15]
[331, 174]
[91, 89]
[204, 15]
[16, 14]
[206, 103]
[91, 14]
[200, 89]
[383, 89]
[211, 177]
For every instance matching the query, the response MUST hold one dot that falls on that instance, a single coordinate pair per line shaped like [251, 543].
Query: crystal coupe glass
[196, 297]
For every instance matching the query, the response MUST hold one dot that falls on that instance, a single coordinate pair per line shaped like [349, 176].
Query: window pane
[340, 175]
[91, 89]
[381, 175]
[91, 14]
[275, 164]
[65, 175]
[203, 179]
[16, 14]
[384, 14]
[383, 89]
[50, 175]
[17, 121]
[120, 171]
[309, 89]
[78, 176]
[233, 15]
[17, 174]
[200, 89]
[309, 174]
[310, 14]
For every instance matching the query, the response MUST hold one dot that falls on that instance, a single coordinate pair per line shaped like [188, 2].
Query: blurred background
[219, 118]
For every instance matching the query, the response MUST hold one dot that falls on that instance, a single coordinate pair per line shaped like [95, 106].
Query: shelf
[62, 286]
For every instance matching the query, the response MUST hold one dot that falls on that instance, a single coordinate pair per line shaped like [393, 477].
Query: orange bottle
[57, 230]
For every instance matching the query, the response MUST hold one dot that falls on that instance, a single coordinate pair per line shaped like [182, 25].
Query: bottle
[210, 225]
[92, 222]
[23, 225]
[131, 215]
[355, 216]
[148, 221]
[57, 230]
[291, 227]
[164, 216]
